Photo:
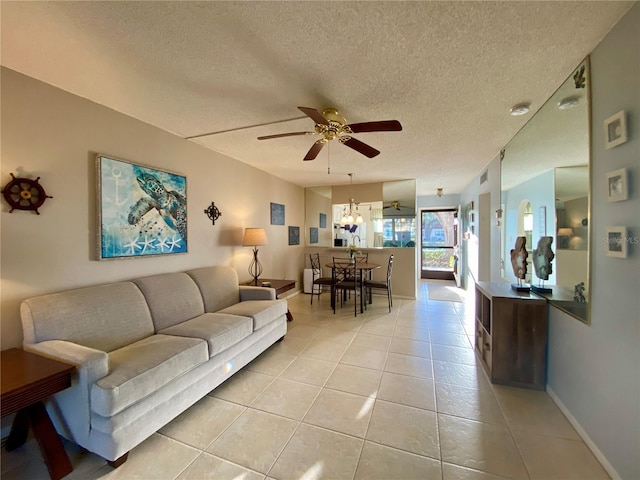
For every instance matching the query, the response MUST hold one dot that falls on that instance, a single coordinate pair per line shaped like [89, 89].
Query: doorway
[438, 244]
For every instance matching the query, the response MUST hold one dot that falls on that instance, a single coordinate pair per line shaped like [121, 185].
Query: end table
[28, 379]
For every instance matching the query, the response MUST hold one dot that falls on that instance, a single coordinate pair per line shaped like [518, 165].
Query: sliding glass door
[439, 243]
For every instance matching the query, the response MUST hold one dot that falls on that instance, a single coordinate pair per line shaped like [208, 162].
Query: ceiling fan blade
[381, 126]
[315, 150]
[291, 134]
[359, 146]
[314, 115]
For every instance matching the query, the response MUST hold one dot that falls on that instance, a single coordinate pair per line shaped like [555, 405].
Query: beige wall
[55, 135]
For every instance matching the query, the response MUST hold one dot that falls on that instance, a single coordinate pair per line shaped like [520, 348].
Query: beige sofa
[147, 349]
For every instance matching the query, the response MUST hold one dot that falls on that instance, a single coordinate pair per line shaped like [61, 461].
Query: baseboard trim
[587, 440]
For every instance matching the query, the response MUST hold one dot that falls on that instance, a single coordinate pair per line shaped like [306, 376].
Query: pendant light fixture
[351, 215]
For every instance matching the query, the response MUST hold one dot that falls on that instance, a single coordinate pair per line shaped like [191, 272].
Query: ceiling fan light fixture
[569, 102]
[520, 109]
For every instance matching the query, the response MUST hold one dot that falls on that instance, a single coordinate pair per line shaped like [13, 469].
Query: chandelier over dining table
[351, 214]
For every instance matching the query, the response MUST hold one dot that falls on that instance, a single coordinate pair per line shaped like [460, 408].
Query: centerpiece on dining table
[352, 250]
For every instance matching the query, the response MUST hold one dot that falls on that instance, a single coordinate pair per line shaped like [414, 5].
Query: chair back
[362, 257]
[389, 269]
[343, 269]
[315, 261]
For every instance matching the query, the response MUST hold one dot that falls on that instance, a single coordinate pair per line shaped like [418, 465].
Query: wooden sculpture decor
[24, 194]
[519, 263]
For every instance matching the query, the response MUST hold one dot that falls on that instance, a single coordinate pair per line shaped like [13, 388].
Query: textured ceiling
[448, 71]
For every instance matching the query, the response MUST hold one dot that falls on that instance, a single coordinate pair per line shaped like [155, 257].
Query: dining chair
[346, 280]
[370, 285]
[318, 280]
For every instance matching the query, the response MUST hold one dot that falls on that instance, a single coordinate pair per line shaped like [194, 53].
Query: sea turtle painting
[171, 205]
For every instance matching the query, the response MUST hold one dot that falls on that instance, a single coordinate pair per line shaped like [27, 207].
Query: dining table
[361, 268]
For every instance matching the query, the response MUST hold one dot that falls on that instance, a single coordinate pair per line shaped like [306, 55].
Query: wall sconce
[439, 191]
[499, 217]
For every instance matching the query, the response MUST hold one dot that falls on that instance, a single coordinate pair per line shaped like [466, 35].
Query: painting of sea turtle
[171, 205]
[142, 210]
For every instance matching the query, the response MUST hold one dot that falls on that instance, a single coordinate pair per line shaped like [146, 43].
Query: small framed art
[617, 189]
[277, 214]
[617, 242]
[294, 235]
[323, 220]
[313, 235]
[615, 130]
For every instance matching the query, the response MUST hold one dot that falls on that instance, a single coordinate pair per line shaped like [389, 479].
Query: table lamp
[254, 237]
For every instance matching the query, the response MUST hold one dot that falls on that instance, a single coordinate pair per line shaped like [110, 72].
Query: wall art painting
[323, 220]
[313, 235]
[294, 235]
[142, 211]
[277, 214]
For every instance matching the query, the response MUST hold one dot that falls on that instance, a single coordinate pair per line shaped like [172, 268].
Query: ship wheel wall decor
[24, 194]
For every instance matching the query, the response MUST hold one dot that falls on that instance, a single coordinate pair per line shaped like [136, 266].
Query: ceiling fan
[331, 125]
[395, 205]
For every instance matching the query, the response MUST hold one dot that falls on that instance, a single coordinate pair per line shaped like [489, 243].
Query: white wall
[49, 133]
[595, 370]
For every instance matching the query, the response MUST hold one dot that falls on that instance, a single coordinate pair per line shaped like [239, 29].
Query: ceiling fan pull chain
[328, 160]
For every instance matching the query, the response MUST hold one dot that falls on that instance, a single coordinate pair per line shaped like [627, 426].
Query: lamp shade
[254, 237]
[565, 232]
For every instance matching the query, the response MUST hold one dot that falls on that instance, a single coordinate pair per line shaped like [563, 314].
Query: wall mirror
[386, 212]
[545, 192]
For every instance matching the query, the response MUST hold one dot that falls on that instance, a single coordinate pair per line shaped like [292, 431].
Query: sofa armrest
[70, 409]
[249, 292]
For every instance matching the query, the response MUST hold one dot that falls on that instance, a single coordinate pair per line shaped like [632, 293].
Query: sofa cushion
[103, 317]
[263, 312]
[220, 331]
[172, 298]
[218, 286]
[139, 369]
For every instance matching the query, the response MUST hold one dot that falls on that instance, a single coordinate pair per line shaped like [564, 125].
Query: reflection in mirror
[545, 192]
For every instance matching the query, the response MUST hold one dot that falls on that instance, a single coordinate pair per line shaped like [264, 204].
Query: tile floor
[382, 395]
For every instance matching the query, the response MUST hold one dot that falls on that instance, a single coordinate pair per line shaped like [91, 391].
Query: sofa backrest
[218, 286]
[104, 317]
[172, 298]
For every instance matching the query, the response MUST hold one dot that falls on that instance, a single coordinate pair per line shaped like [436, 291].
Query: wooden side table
[280, 286]
[28, 379]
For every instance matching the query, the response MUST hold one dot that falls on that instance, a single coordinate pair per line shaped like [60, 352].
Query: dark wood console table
[280, 286]
[511, 335]
[27, 380]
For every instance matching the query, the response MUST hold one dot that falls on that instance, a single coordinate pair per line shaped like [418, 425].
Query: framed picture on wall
[313, 235]
[615, 130]
[323, 220]
[142, 211]
[277, 214]
[294, 235]
[617, 189]
[617, 242]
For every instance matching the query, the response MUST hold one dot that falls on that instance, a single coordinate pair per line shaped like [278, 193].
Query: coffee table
[27, 380]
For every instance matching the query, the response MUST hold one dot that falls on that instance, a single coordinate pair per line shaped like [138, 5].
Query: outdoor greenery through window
[398, 232]
[438, 240]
